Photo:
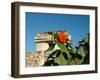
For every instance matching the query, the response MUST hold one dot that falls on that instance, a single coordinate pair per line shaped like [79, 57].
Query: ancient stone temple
[38, 57]
[42, 40]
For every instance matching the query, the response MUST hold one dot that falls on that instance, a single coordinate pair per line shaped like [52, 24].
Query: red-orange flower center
[62, 37]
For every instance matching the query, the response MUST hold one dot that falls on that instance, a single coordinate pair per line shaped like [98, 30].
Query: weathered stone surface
[36, 59]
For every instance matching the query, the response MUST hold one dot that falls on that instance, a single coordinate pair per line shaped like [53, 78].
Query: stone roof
[44, 37]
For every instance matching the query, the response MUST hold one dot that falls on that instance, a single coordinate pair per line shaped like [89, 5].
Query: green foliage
[51, 46]
[67, 55]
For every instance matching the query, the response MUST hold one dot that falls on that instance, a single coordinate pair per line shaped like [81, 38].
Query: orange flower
[62, 37]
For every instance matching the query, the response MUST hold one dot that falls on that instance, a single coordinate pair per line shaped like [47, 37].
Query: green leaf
[82, 51]
[65, 55]
[55, 64]
[49, 62]
[86, 39]
[86, 59]
[55, 35]
[50, 48]
[61, 60]
[71, 62]
[55, 54]
[62, 47]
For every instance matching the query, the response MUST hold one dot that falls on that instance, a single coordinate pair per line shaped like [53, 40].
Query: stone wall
[35, 59]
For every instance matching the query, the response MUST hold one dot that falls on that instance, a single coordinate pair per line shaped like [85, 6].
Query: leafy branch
[63, 53]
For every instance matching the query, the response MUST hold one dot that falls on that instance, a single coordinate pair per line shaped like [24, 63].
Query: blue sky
[76, 25]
